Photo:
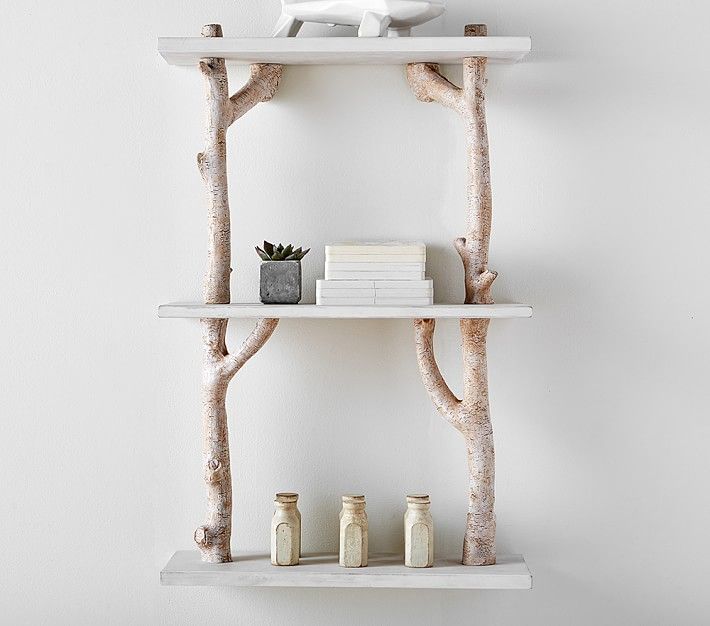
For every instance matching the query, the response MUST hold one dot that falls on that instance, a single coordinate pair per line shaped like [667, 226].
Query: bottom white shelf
[372, 311]
[185, 568]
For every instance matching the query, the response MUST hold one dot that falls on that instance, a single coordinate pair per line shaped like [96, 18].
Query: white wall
[600, 163]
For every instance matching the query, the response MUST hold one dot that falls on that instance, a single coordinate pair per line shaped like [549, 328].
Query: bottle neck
[354, 507]
[354, 503]
[418, 502]
[418, 506]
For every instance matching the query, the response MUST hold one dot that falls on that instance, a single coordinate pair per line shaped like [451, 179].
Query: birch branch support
[471, 415]
[218, 366]
[429, 85]
[442, 396]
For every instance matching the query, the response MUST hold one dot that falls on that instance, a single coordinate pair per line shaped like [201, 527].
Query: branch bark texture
[471, 414]
[218, 365]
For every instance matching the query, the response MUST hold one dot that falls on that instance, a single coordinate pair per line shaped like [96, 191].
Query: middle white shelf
[282, 311]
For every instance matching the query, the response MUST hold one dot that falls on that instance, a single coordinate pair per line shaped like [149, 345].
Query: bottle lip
[418, 498]
[286, 497]
[353, 498]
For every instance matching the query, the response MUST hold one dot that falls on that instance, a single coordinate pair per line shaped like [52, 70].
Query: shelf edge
[386, 571]
[187, 51]
[313, 311]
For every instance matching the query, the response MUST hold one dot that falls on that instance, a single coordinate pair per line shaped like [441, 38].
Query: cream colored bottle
[353, 532]
[286, 530]
[418, 532]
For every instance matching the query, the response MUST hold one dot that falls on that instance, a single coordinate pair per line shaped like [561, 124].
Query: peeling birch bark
[218, 365]
[470, 415]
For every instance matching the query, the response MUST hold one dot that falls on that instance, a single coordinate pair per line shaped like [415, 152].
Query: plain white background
[600, 166]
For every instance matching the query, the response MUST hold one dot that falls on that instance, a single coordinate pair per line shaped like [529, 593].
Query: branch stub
[212, 30]
[475, 30]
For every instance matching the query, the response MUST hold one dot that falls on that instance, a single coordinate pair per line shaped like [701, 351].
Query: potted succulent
[280, 273]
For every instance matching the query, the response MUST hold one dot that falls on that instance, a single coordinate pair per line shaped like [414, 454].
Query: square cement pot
[280, 282]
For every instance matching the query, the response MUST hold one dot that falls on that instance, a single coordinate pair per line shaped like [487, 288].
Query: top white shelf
[342, 50]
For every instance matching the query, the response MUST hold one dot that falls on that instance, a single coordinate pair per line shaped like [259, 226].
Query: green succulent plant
[270, 252]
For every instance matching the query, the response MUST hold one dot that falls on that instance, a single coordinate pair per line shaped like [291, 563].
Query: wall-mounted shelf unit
[385, 571]
[342, 50]
[319, 311]
[215, 564]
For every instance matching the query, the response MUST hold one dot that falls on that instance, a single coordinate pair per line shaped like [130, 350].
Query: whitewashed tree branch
[474, 415]
[471, 415]
[429, 85]
[218, 366]
[264, 328]
[444, 399]
[261, 87]
[474, 247]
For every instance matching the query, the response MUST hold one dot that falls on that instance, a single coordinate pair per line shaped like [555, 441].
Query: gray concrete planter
[280, 282]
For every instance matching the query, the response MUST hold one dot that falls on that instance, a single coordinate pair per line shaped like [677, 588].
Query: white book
[404, 284]
[376, 258]
[372, 293]
[345, 284]
[391, 275]
[341, 301]
[375, 267]
[346, 293]
[376, 247]
[401, 293]
[405, 301]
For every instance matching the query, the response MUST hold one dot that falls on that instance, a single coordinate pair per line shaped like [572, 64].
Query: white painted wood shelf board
[283, 311]
[342, 50]
[387, 571]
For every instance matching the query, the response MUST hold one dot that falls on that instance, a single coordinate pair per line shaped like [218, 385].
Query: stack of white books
[375, 273]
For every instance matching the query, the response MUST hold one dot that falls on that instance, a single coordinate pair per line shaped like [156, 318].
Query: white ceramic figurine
[375, 18]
